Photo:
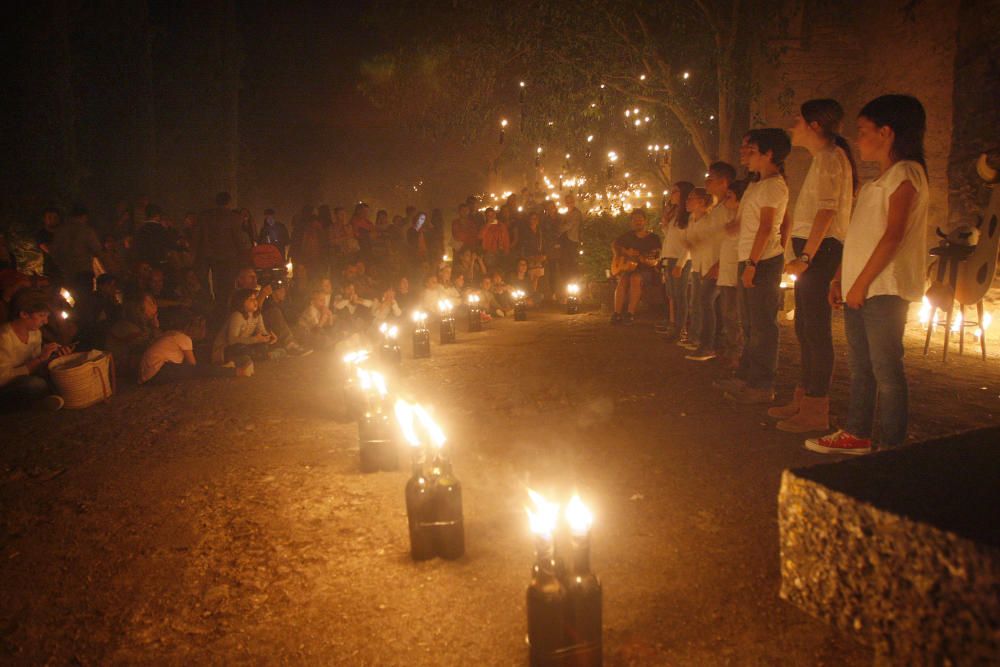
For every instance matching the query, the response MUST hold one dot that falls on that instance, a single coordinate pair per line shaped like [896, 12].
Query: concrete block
[901, 548]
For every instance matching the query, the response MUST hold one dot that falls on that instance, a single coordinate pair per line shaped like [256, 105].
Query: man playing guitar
[635, 255]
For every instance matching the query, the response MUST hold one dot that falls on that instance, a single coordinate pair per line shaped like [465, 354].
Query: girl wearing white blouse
[883, 271]
[819, 222]
[761, 257]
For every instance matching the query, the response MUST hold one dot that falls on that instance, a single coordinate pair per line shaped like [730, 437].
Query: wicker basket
[85, 378]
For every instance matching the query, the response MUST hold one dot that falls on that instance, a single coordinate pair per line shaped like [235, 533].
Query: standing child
[707, 239]
[883, 271]
[761, 262]
[729, 296]
[698, 234]
[819, 222]
[677, 267]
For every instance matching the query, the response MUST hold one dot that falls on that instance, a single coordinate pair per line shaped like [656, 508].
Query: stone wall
[977, 104]
[854, 52]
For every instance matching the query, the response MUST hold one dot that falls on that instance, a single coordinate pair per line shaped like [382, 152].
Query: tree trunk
[149, 151]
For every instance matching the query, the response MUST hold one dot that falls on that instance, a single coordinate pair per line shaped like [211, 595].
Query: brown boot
[790, 409]
[814, 415]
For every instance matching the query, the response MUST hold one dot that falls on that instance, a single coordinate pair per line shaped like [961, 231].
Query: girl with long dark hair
[883, 271]
[819, 223]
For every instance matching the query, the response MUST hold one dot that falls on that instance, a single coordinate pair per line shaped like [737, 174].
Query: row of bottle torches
[564, 598]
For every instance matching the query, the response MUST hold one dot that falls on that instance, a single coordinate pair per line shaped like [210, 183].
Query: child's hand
[835, 297]
[748, 275]
[796, 267]
[855, 297]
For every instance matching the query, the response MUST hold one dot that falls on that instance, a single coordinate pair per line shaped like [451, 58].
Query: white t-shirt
[905, 275]
[706, 237]
[14, 354]
[772, 192]
[673, 242]
[828, 185]
[728, 262]
[168, 348]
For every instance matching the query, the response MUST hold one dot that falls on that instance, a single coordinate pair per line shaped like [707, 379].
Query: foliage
[597, 234]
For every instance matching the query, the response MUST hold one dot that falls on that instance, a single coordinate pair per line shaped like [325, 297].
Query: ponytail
[842, 144]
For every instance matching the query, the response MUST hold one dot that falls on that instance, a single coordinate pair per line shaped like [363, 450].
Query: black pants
[760, 323]
[812, 315]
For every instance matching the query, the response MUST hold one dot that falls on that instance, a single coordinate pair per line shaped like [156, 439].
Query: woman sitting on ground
[244, 333]
[129, 337]
[171, 356]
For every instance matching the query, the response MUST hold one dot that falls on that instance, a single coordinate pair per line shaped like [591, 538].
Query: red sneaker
[840, 442]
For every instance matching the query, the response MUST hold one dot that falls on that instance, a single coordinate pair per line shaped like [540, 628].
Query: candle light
[289, 270]
[376, 443]
[67, 297]
[520, 305]
[417, 492]
[421, 336]
[448, 527]
[503, 128]
[475, 314]
[389, 351]
[572, 299]
[447, 321]
[583, 589]
[546, 595]
[355, 398]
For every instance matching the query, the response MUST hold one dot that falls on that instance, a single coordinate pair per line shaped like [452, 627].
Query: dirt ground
[226, 521]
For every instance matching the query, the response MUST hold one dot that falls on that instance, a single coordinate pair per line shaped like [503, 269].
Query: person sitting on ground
[470, 265]
[404, 296]
[488, 299]
[353, 309]
[317, 323]
[386, 308]
[129, 337]
[431, 295]
[171, 358]
[276, 322]
[244, 333]
[636, 253]
[23, 359]
[501, 290]
[193, 292]
[521, 280]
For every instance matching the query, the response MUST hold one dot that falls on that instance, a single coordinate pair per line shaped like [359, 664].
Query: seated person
[352, 308]
[386, 308]
[433, 292]
[456, 291]
[522, 280]
[404, 296]
[192, 291]
[23, 359]
[634, 263]
[276, 322]
[244, 333]
[317, 324]
[489, 301]
[129, 337]
[171, 358]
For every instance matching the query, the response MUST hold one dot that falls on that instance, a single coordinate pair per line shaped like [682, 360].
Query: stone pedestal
[901, 549]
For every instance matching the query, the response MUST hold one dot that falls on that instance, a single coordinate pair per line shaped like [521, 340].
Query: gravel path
[226, 521]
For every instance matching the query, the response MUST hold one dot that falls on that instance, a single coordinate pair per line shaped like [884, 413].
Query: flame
[419, 316]
[430, 426]
[573, 289]
[956, 324]
[925, 312]
[578, 516]
[981, 330]
[473, 298]
[444, 306]
[67, 297]
[404, 416]
[64, 315]
[355, 358]
[393, 332]
[544, 517]
[378, 380]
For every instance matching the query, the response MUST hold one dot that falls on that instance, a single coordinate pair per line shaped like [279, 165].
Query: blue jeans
[875, 356]
[707, 297]
[759, 361]
[23, 391]
[694, 308]
[677, 292]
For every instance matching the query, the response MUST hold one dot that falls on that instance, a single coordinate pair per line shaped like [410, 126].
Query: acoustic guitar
[627, 260]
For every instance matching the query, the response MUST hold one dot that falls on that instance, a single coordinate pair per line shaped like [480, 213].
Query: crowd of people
[722, 256]
[216, 293]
